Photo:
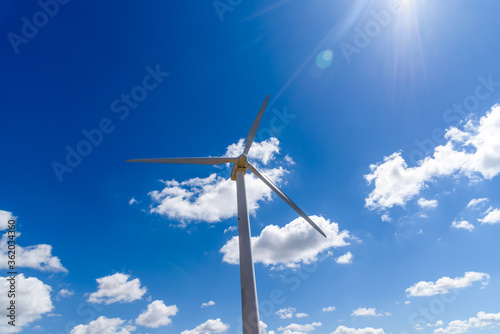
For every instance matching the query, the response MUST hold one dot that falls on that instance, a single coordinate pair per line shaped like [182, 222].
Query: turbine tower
[250, 309]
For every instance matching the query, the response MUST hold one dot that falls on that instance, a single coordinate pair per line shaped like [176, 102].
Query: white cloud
[103, 325]
[427, 204]
[482, 320]
[156, 315]
[296, 328]
[291, 244]
[437, 324]
[286, 313]
[63, 293]
[445, 284]
[5, 216]
[264, 151]
[367, 330]
[463, 224]
[209, 327]
[472, 152]
[345, 259]
[368, 312]
[32, 301]
[37, 257]
[492, 216]
[117, 288]
[329, 309]
[476, 201]
[213, 198]
[230, 229]
[385, 217]
[263, 328]
[207, 304]
[301, 315]
[132, 201]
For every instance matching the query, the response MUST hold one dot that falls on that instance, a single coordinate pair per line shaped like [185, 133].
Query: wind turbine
[250, 308]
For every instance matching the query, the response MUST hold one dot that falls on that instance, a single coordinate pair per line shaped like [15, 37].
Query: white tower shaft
[250, 310]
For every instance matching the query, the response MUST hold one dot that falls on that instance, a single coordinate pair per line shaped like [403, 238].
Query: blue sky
[383, 126]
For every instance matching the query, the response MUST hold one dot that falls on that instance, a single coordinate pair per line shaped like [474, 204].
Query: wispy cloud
[366, 330]
[446, 284]
[328, 309]
[368, 312]
[476, 201]
[207, 304]
[296, 328]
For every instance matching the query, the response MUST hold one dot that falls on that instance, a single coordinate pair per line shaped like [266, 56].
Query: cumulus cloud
[437, 324]
[329, 309]
[492, 216]
[367, 330]
[385, 217]
[156, 315]
[213, 198]
[446, 284]
[37, 257]
[104, 325]
[301, 315]
[463, 224]
[295, 243]
[32, 302]
[482, 320]
[207, 304]
[263, 328]
[285, 313]
[476, 201]
[63, 293]
[368, 312]
[5, 216]
[296, 328]
[472, 151]
[117, 288]
[209, 327]
[427, 204]
[345, 259]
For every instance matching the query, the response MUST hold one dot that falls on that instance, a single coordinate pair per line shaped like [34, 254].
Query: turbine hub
[242, 160]
[239, 165]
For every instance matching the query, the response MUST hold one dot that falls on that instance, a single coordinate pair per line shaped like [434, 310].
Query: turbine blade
[255, 126]
[281, 194]
[196, 161]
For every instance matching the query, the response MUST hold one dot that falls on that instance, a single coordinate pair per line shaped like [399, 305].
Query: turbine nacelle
[240, 164]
